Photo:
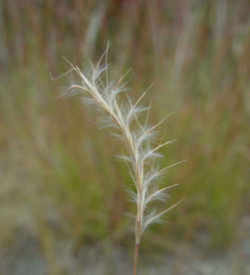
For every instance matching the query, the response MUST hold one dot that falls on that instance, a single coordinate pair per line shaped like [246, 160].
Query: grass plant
[196, 54]
[124, 117]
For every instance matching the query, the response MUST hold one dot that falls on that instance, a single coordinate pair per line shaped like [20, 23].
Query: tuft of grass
[124, 117]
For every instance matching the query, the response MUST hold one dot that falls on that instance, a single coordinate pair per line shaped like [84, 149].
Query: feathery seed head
[124, 118]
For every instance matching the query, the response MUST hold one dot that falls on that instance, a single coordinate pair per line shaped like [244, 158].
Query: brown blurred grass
[58, 172]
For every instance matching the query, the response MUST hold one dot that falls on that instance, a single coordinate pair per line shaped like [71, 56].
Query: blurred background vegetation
[59, 177]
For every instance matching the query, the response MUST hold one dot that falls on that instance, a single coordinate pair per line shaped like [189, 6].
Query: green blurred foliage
[60, 170]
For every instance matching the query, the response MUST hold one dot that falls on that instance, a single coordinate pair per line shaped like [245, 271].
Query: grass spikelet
[125, 119]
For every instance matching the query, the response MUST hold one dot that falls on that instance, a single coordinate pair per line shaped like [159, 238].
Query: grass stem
[136, 257]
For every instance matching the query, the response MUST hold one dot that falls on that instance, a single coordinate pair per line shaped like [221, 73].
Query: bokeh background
[60, 183]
